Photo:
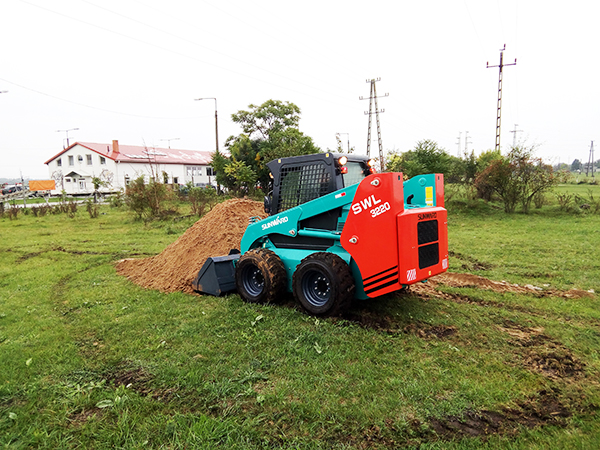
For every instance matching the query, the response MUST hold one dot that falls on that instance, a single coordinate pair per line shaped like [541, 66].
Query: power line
[89, 106]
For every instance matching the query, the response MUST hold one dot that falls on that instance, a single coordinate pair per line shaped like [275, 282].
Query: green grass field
[90, 360]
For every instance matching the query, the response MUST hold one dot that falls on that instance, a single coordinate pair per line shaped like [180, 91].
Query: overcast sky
[131, 69]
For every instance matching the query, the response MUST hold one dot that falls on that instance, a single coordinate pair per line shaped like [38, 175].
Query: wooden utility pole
[590, 161]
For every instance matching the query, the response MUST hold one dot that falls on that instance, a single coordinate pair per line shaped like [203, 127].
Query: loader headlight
[342, 160]
[371, 166]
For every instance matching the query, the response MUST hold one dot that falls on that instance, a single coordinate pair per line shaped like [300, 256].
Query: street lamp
[67, 131]
[347, 134]
[216, 120]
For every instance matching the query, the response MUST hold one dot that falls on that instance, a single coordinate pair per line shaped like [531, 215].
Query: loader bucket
[217, 275]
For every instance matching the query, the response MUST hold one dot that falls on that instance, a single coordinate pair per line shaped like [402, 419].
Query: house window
[67, 180]
[175, 180]
[59, 162]
[126, 180]
[210, 172]
[71, 161]
[88, 159]
[193, 171]
[102, 160]
[80, 158]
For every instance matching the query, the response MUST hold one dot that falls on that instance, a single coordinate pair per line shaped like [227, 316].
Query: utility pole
[590, 161]
[467, 142]
[515, 131]
[216, 120]
[499, 108]
[458, 144]
[373, 99]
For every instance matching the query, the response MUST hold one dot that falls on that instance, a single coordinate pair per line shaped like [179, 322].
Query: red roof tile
[139, 154]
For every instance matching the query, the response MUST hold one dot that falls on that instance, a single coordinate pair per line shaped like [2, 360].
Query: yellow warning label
[429, 195]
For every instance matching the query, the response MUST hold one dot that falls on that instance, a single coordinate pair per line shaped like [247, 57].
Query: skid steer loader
[336, 231]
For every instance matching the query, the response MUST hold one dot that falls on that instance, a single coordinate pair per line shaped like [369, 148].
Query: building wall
[86, 164]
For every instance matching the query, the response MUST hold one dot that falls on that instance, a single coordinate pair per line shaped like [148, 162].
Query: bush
[518, 178]
[92, 208]
[117, 199]
[201, 199]
[147, 201]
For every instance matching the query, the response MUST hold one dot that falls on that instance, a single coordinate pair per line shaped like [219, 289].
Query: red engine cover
[383, 238]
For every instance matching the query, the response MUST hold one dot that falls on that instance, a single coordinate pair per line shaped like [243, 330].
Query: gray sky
[131, 69]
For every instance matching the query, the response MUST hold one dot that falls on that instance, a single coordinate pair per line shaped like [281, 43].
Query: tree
[426, 157]
[517, 178]
[270, 117]
[269, 132]
[576, 165]
[98, 183]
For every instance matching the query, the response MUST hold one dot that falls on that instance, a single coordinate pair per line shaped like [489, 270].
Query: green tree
[98, 183]
[426, 157]
[271, 117]
[269, 132]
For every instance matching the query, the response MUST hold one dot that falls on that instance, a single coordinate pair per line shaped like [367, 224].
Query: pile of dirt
[174, 269]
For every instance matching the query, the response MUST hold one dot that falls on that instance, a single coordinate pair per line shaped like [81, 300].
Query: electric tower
[373, 100]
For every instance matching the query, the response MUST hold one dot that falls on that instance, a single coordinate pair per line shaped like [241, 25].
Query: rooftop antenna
[169, 141]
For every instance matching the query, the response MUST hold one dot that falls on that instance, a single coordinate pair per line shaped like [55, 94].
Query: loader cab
[300, 179]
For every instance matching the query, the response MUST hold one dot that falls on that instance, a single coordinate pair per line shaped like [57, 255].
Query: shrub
[92, 208]
[517, 178]
[202, 199]
[147, 200]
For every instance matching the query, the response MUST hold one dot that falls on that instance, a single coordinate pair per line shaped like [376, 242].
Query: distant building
[117, 165]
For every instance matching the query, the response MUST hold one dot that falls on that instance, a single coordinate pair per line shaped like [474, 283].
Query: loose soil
[175, 268]
[544, 409]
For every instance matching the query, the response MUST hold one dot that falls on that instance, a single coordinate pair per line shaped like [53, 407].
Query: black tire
[260, 276]
[323, 284]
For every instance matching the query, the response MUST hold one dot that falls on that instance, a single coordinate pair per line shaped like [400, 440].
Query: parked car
[10, 189]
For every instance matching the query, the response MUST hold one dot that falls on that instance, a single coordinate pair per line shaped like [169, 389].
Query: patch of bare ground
[543, 409]
[469, 280]
[79, 418]
[431, 331]
[139, 380]
[386, 324]
[543, 355]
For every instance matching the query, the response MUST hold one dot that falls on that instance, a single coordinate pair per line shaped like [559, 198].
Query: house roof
[138, 154]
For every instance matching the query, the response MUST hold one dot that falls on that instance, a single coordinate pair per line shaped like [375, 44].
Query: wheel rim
[253, 280]
[316, 287]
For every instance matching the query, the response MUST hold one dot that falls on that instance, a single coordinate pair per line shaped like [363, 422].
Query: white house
[116, 165]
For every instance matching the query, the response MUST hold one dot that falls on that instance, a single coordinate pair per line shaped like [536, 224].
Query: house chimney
[115, 146]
